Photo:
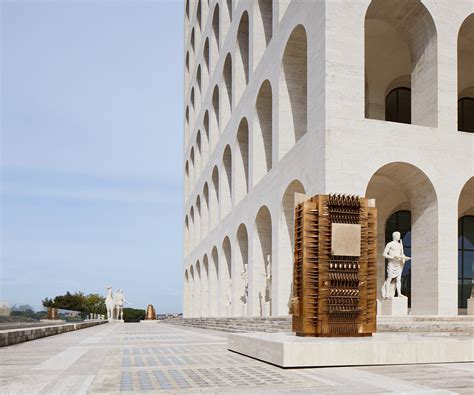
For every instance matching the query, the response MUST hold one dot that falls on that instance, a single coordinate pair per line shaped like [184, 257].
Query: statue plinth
[470, 306]
[394, 306]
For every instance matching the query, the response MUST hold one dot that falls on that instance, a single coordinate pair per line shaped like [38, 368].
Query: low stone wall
[15, 336]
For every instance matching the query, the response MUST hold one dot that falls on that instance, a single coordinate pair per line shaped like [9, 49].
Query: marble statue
[119, 301]
[228, 296]
[266, 297]
[245, 280]
[396, 260]
[109, 304]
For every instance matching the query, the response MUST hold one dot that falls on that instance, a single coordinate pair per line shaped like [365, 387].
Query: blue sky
[91, 145]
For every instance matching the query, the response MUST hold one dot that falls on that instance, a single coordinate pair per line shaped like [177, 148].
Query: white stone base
[470, 306]
[288, 350]
[394, 306]
[147, 321]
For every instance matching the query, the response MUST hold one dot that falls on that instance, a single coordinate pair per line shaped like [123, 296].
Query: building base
[289, 351]
[147, 321]
[394, 306]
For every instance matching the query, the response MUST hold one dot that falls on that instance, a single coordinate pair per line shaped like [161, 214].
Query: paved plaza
[154, 357]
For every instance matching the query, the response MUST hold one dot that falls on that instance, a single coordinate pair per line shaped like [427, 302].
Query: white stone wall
[278, 105]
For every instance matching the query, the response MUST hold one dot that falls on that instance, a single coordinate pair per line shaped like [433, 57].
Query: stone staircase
[455, 325]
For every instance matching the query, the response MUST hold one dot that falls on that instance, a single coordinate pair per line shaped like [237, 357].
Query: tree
[92, 303]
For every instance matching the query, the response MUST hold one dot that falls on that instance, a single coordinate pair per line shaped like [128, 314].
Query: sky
[91, 150]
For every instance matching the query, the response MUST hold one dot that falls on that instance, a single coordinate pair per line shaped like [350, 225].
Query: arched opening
[242, 161]
[402, 186]
[214, 137]
[226, 191]
[205, 211]
[207, 70]
[186, 236]
[227, 91]
[186, 126]
[197, 158]
[241, 282]
[262, 132]
[192, 235]
[186, 299]
[242, 61]
[465, 243]
[398, 105]
[263, 28]
[400, 41]
[186, 181]
[215, 38]
[197, 289]
[205, 287]
[192, 294]
[214, 198]
[205, 142]
[286, 245]
[226, 279]
[199, 84]
[400, 221]
[193, 104]
[187, 9]
[197, 226]
[193, 42]
[192, 168]
[466, 75]
[214, 284]
[187, 71]
[261, 271]
[293, 91]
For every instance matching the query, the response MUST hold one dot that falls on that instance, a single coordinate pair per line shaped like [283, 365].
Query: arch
[205, 211]
[226, 278]
[205, 141]
[192, 174]
[401, 39]
[293, 91]
[242, 57]
[192, 235]
[286, 245]
[197, 290]
[262, 132]
[403, 186]
[186, 181]
[198, 91]
[207, 69]
[226, 190]
[242, 161]
[215, 38]
[197, 159]
[197, 225]
[186, 62]
[241, 296]
[186, 125]
[263, 28]
[186, 235]
[214, 136]
[466, 76]
[398, 105]
[227, 91]
[205, 287]
[214, 284]
[214, 211]
[465, 242]
[193, 42]
[261, 291]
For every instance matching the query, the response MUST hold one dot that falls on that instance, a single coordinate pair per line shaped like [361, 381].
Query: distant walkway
[153, 357]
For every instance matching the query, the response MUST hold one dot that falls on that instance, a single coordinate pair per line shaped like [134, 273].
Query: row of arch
[234, 81]
[401, 51]
[218, 284]
[258, 137]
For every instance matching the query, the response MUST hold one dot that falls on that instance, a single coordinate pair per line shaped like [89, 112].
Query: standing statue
[228, 297]
[245, 280]
[109, 304]
[266, 297]
[396, 260]
[119, 300]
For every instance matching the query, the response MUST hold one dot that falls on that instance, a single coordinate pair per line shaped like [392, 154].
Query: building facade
[373, 98]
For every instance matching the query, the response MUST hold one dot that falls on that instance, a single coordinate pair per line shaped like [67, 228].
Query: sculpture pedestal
[148, 321]
[394, 306]
[470, 306]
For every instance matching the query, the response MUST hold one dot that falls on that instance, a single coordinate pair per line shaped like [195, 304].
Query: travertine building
[374, 98]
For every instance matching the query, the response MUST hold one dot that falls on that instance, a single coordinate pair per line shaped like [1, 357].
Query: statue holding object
[396, 260]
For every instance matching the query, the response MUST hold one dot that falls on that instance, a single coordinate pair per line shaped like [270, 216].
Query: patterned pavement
[158, 358]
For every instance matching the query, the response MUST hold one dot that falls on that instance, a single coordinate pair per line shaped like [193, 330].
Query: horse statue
[110, 304]
[119, 300]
